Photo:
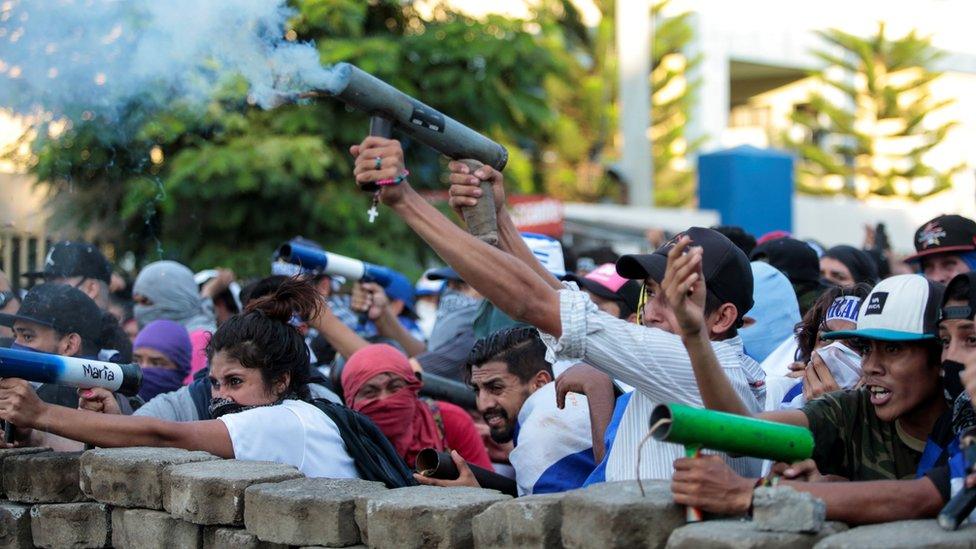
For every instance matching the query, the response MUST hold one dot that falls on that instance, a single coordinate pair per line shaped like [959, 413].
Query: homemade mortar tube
[70, 371]
[697, 429]
[435, 464]
[334, 264]
[389, 109]
[481, 219]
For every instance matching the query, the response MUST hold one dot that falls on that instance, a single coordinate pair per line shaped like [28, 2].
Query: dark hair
[809, 325]
[957, 290]
[110, 336]
[742, 240]
[261, 288]
[262, 336]
[520, 348]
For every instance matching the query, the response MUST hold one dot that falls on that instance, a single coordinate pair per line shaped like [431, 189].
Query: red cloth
[406, 420]
[463, 436]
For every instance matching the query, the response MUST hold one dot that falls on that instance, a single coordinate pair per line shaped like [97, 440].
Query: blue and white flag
[553, 448]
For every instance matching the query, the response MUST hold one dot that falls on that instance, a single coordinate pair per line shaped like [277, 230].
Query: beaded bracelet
[395, 181]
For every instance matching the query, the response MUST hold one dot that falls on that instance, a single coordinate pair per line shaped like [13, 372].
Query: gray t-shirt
[178, 405]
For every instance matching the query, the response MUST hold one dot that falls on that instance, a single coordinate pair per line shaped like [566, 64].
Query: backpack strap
[374, 456]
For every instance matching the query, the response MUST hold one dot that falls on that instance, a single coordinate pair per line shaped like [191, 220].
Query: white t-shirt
[293, 433]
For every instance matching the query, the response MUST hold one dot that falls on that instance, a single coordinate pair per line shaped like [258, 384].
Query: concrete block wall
[156, 498]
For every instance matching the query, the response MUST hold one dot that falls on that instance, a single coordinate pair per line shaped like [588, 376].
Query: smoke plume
[64, 56]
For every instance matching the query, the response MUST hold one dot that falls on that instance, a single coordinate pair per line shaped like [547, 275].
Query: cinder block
[783, 509]
[307, 511]
[149, 529]
[743, 534]
[426, 516]
[131, 477]
[212, 492]
[902, 534]
[11, 452]
[77, 525]
[232, 538]
[15, 526]
[526, 522]
[614, 514]
[46, 477]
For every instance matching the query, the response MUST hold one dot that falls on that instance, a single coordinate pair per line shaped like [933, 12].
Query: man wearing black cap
[81, 265]
[944, 247]
[647, 357]
[60, 320]
[799, 262]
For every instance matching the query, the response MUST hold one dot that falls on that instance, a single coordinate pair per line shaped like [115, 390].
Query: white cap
[548, 251]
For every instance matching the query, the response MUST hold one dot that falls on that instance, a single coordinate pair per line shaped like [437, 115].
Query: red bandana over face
[406, 420]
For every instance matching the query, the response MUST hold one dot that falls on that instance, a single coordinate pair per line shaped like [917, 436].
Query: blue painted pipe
[70, 371]
[332, 264]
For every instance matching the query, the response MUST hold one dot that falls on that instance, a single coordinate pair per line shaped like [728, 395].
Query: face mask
[393, 414]
[144, 314]
[156, 381]
[19, 347]
[951, 384]
[427, 316]
[844, 364]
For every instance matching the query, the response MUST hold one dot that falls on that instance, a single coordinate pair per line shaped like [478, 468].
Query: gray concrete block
[320, 547]
[233, 538]
[907, 533]
[613, 514]
[426, 516]
[307, 511]
[131, 477]
[149, 529]
[742, 534]
[46, 477]
[361, 518]
[77, 525]
[783, 509]
[11, 452]
[15, 526]
[527, 522]
[212, 492]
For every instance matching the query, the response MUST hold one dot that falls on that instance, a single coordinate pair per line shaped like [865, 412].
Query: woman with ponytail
[259, 367]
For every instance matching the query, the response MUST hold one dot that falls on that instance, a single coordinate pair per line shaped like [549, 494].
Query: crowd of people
[548, 369]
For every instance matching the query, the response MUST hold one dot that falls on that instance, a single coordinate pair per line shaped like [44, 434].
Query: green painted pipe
[732, 434]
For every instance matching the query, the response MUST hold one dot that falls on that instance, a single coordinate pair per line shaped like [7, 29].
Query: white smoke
[62, 56]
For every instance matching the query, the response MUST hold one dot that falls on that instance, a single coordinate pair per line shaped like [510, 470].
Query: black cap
[67, 259]
[963, 284]
[944, 234]
[794, 258]
[64, 308]
[728, 275]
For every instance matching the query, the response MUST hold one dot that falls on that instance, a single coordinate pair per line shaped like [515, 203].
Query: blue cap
[401, 288]
[444, 273]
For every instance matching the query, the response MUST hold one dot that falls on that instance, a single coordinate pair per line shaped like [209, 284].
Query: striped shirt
[656, 363]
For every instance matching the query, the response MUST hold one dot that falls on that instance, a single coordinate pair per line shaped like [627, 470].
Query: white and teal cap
[900, 308]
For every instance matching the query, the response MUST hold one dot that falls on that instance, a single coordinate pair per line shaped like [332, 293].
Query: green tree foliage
[674, 93]
[575, 161]
[869, 129]
[225, 184]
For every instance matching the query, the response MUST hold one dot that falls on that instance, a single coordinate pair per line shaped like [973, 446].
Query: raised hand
[465, 188]
[684, 286]
[379, 159]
